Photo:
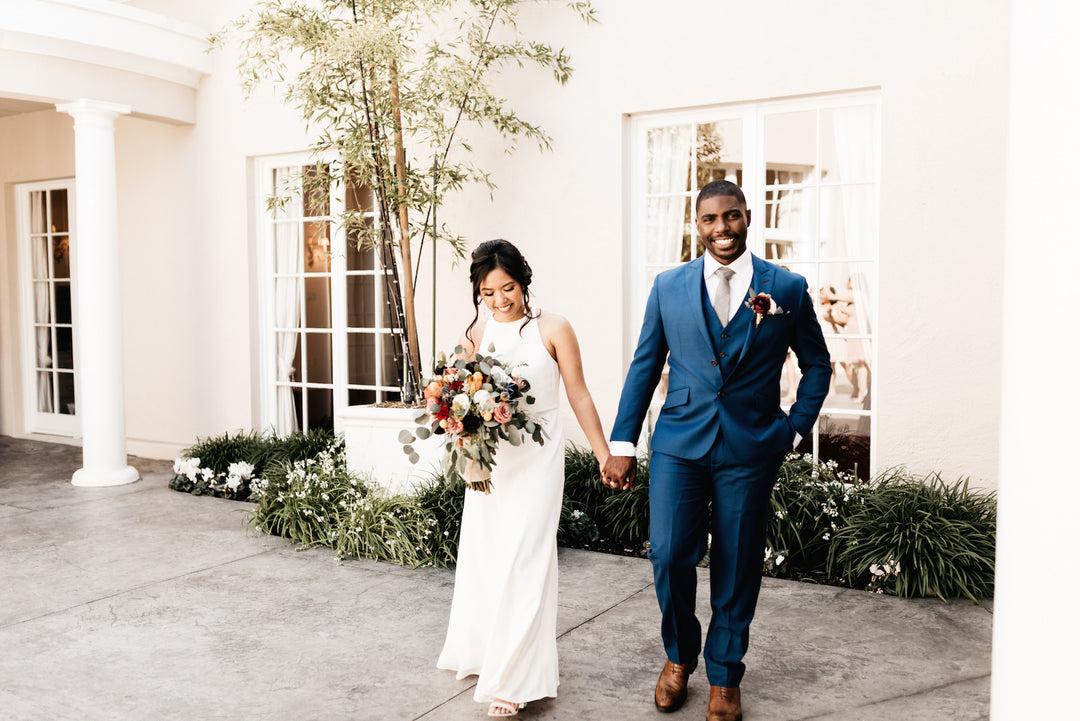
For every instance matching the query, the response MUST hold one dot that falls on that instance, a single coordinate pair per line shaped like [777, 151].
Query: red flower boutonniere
[762, 304]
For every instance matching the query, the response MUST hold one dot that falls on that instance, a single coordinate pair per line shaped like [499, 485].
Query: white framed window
[327, 337]
[49, 330]
[809, 170]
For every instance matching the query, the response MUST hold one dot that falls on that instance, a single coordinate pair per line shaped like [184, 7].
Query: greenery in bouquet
[475, 402]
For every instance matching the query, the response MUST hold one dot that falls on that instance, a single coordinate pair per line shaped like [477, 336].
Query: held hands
[619, 472]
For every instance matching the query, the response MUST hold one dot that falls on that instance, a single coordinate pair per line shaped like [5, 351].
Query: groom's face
[722, 222]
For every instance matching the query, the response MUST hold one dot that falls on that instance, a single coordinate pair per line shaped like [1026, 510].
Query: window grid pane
[817, 193]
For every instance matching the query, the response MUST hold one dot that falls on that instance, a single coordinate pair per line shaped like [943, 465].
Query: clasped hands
[619, 472]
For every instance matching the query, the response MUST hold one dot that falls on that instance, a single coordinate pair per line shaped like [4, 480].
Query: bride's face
[502, 295]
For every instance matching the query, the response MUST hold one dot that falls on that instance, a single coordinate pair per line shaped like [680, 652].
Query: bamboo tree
[390, 90]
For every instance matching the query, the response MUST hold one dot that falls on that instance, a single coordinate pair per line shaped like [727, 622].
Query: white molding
[107, 34]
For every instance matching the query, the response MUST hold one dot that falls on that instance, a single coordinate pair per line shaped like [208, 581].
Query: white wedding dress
[502, 620]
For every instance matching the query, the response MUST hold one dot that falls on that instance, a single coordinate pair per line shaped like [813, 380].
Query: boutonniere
[762, 304]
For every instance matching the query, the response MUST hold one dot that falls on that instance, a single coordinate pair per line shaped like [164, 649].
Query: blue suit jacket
[701, 400]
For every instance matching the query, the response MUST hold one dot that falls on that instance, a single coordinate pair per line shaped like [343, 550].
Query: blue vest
[727, 341]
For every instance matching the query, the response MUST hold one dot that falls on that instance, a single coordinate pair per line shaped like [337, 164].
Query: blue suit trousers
[679, 491]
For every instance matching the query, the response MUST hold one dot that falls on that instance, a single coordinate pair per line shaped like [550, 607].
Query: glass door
[47, 270]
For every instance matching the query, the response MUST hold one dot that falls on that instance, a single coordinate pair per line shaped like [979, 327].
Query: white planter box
[374, 452]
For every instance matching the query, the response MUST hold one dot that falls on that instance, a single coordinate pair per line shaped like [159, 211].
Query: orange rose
[433, 390]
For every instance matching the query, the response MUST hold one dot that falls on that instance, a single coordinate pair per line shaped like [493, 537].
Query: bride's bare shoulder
[470, 337]
[552, 321]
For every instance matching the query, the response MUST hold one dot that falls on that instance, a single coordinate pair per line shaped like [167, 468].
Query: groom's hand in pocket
[619, 472]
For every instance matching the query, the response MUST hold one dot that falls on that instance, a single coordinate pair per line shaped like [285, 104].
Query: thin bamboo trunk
[403, 221]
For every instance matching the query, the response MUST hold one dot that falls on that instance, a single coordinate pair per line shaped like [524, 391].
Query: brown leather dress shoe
[671, 686]
[724, 704]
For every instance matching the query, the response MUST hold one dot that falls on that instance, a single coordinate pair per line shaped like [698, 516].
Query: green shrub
[228, 466]
[444, 501]
[318, 502]
[809, 504]
[917, 537]
[595, 516]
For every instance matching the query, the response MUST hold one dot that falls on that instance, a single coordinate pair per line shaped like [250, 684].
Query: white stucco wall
[186, 207]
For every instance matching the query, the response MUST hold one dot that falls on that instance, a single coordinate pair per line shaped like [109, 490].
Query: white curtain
[42, 334]
[852, 128]
[289, 254]
[669, 165]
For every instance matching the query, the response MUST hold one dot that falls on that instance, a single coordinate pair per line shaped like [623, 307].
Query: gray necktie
[722, 301]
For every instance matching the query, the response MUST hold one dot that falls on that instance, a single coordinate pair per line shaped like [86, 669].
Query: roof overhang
[54, 51]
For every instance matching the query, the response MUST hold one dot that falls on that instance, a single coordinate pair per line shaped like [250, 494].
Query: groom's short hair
[719, 187]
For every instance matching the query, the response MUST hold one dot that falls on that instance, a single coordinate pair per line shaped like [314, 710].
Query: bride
[502, 620]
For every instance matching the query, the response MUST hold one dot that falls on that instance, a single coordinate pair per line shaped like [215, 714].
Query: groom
[723, 324]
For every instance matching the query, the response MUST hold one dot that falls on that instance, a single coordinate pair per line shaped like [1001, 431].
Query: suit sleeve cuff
[622, 448]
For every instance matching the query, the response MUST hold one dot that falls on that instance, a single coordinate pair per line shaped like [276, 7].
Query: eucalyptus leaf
[405, 437]
[414, 458]
[423, 433]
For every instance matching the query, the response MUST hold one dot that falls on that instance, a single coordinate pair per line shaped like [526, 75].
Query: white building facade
[178, 307]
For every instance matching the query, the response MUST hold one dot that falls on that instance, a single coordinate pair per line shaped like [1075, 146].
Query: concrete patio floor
[137, 602]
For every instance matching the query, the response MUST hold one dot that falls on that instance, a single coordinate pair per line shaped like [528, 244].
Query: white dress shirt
[739, 283]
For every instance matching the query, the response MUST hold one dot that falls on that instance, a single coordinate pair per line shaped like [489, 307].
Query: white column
[100, 405]
[1036, 621]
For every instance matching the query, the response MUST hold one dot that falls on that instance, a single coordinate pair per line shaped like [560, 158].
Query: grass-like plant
[920, 537]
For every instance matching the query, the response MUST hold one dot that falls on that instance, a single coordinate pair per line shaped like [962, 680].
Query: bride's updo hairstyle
[493, 254]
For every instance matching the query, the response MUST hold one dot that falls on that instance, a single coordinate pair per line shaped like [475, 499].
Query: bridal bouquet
[475, 403]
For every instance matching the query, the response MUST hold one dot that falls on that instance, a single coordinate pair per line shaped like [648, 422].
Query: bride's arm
[567, 354]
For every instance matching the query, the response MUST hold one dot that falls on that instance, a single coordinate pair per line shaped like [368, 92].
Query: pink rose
[502, 413]
[453, 425]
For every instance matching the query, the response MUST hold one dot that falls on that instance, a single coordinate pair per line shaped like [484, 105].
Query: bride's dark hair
[493, 254]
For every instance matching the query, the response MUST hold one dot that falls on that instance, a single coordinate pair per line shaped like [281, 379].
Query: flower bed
[895, 534]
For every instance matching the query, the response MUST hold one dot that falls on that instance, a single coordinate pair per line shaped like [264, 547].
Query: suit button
[723, 355]
[724, 336]
[720, 394]
[714, 360]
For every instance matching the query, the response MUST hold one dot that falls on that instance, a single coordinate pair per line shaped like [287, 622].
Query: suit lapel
[761, 283]
[695, 270]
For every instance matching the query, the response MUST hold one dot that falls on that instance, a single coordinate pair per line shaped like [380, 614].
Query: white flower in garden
[826, 537]
[876, 570]
[207, 473]
[780, 558]
[768, 553]
[187, 467]
[233, 481]
[241, 469]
